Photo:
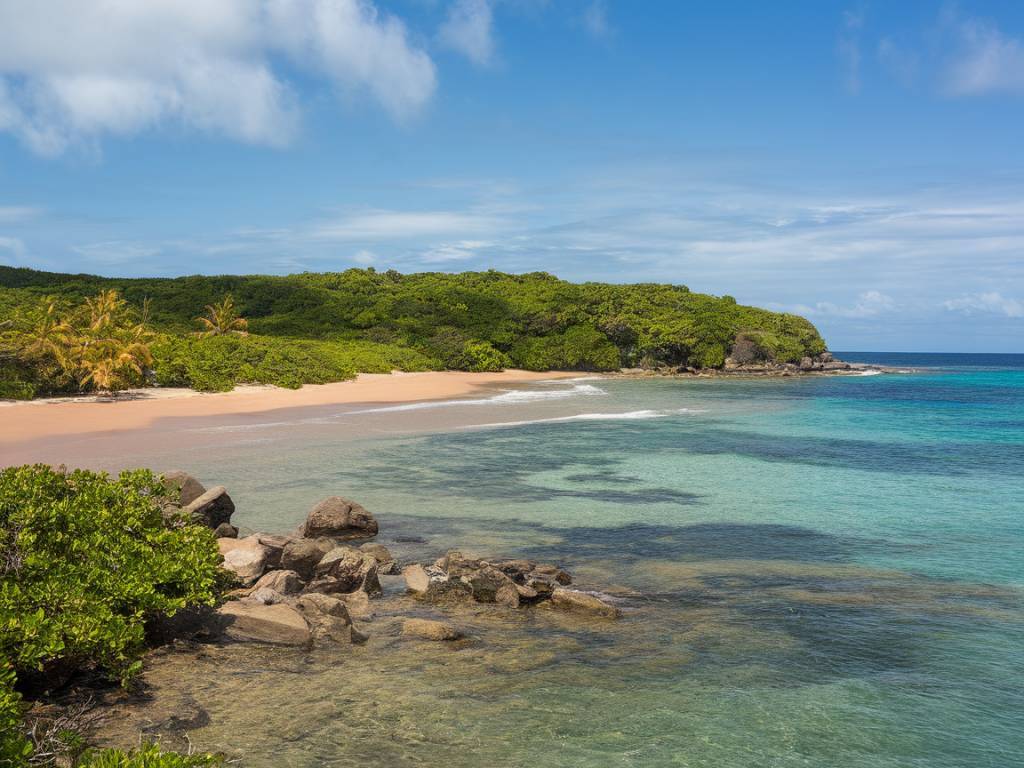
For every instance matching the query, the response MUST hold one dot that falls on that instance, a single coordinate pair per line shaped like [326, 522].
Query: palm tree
[222, 319]
[104, 309]
[51, 338]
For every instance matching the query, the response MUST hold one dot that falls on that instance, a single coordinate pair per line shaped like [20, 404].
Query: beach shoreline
[22, 422]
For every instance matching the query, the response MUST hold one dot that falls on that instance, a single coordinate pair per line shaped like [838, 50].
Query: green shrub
[145, 757]
[580, 348]
[481, 356]
[14, 747]
[89, 560]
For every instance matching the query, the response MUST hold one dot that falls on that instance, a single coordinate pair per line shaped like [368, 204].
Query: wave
[507, 397]
[871, 373]
[623, 416]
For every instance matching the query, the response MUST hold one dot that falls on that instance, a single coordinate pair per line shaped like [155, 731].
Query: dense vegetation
[310, 328]
[85, 562]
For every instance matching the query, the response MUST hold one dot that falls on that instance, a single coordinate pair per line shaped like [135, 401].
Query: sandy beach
[54, 418]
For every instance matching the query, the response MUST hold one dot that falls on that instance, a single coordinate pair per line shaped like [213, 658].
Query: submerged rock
[339, 518]
[278, 624]
[581, 602]
[427, 629]
[507, 582]
[329, 618]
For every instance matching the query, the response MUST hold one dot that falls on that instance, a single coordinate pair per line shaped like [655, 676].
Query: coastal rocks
[211, 508]
[427, 629]
[284, 582]
[182, 488]
[344, 569]
[506, 582]
[340, 519]
[582, 602]
[329, 618]
[226, 531]
[277, 624]
[246, 558]
[386, 563]
[303, 556]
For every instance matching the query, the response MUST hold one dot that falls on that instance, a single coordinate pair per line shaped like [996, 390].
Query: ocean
[817, 571]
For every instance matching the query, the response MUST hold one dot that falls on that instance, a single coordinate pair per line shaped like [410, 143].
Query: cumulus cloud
[984, 60]
[469, 29]
[988, 303]
[72, 71]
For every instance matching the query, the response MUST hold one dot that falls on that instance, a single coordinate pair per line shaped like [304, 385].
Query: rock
[581, 602]
[246, 558]
[835, 365]
[303, 555]
[212, 508]
[346, 570]
[526, 593]
[265, 595]
[486, 583]
[553, 572]
[825, 357]
[285, 582]
[226, 531]
[182, 488]
[426, 629]
[279, 624]
[806, 363]
[339, 518]
[275, 546]
[329, 618]
[358, 604]
[386, 563]
[435, 585]
[508, 594]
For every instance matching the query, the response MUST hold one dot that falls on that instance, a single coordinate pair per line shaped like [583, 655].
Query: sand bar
[21, 422]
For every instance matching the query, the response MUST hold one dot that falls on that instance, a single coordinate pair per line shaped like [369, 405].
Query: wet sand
[28, 426]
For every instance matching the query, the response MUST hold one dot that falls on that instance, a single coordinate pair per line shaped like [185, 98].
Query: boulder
[426, 629]
[226, 531]
[346, 570]
[825, 357]
[303, 555]
[806, 363]
[386, 563]
[581, 602]
[358, 604]
[212, 508]
[434, 585]
[265, 595]
[278, 624]
[487, 582]
[182, 488]
[275, 546]
[339, 518]
[246, 558]
[329, 618]
[285, 582]
[552, 572]
[835, 365]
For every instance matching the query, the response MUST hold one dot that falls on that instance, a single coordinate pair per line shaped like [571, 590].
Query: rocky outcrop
[277, 624]
[246, 558]
[427, 629]
[455, 577]
[386, 563]
[212, 508]
[182, 488]
[284, 582]
[339, 519]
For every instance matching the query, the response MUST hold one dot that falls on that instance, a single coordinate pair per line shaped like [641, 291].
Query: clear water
[815, 572]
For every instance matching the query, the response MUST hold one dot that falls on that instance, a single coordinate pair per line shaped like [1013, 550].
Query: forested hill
[471, 321]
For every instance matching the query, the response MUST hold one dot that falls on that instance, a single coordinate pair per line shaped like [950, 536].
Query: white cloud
[15, 247]
[848, 48]
[469, 29]
[116, 252]
[461, 250]
[595, 20]
[989, 303]
[72, 71]
[364, 257]
[400, 225]
[985, 60]
[868, 304]
[15, 214]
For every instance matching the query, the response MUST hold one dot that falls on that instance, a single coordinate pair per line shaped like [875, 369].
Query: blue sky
[860, 163]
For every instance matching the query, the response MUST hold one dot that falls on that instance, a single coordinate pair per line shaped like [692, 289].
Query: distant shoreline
[50, 418]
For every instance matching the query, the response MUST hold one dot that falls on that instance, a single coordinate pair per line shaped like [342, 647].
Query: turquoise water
[815, 572]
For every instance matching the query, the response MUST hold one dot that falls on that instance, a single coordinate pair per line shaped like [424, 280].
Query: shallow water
[815, 572]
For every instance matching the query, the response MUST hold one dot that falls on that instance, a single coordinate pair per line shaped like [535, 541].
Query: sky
[860, 163]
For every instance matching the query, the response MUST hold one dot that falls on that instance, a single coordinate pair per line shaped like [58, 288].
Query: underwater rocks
[513, 583]
[428, 629]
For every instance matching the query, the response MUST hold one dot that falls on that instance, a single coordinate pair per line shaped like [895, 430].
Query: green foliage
[149, 756]
[88, 559]
[15, 749]
[322, 327]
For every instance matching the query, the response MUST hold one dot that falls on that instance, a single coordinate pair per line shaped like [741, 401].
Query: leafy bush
[88, 561]
[14, 747]
[145, 757]
[481, 356]
[581, 348]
